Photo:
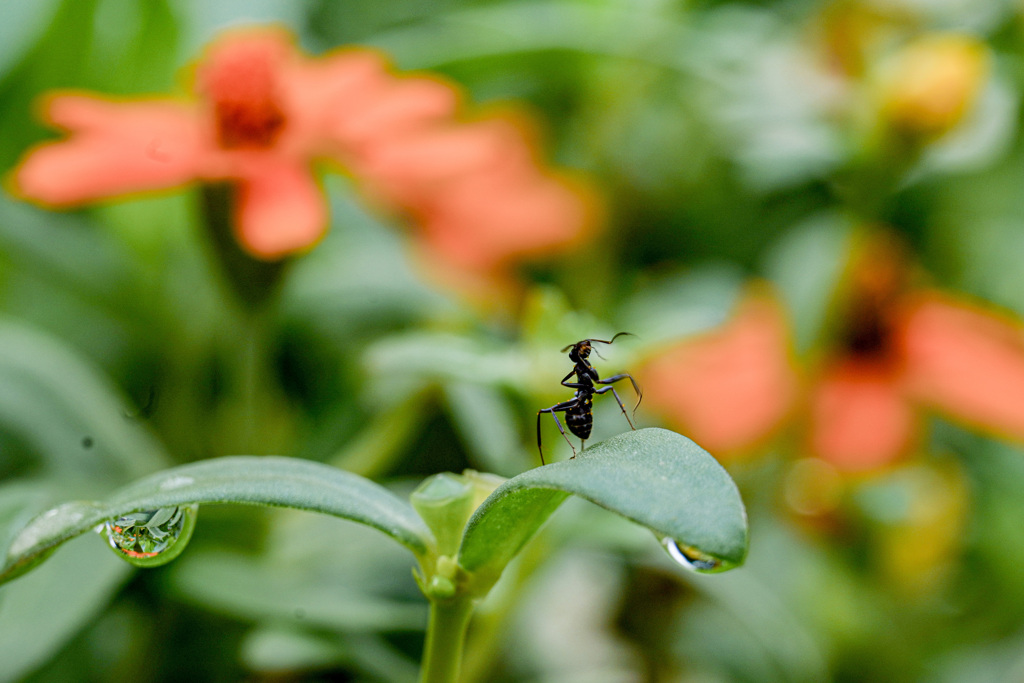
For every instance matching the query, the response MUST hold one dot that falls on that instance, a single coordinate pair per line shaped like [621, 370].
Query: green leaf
[43, 611]
[679, 305]
[486, 422]
[68, 411]
[806, 265]
[243, 586]
[358, 277]
[80, 581]
[23, 23]
[655, 477]
[276, 649]
[250, 480]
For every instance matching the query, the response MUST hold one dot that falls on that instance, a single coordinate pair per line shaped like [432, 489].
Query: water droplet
[693, 559]
[150, 538]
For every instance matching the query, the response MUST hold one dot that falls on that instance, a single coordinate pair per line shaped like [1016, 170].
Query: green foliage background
[122, 351]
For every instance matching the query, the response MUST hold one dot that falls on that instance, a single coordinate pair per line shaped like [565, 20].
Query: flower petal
[728, 389]
[966, 362]
[860, 417]
[240, 81]
[115, 148]
[351, 100]
[281, 209]
[485, 222]
[405, 104]
[411, 169]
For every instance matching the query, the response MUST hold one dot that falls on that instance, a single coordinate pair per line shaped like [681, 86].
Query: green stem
[492, 621]
[253, 281]
[446, 635]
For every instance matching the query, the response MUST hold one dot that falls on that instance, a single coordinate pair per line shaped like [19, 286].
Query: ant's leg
[557, 408]
[636, 387]
[618, 400]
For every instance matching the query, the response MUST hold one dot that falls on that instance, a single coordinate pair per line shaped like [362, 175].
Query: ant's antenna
[602, 341]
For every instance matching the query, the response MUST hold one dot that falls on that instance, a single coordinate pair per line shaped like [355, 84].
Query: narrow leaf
[655, 477]
[250, 480]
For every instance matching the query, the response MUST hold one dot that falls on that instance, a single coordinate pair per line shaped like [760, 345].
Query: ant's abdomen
[581, 420]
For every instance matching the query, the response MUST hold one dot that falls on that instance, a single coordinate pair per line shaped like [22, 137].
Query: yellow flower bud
[931, 84]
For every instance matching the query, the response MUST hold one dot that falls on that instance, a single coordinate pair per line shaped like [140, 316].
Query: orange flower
[263, 113]
[730, 388]
[898, 351]
[480, 196]
[902, 350]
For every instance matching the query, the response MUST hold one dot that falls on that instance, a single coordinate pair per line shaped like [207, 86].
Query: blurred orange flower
[730, 388]
[262, 114]
[455, 179]
[902, 349]
[897, 351]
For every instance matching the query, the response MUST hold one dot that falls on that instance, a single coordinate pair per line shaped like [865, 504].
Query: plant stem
[253, 281]
[446, 635]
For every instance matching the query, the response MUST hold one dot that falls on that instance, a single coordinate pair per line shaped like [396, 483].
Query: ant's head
[580, 351]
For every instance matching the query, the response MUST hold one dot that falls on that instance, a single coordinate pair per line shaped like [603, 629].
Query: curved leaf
[655, 477]
[251, 480]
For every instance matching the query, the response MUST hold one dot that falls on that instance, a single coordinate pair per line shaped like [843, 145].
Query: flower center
[879, 279]
[240, 81]
[868, 331]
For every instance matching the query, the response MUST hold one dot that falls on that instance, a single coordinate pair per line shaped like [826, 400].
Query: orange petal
[728, 389]
[322, 93]
[860, 418]
[967, 362]
[281, 209]
[404, 104]
[114, 148]
[486, 221]
[353, 100]
[410, 169]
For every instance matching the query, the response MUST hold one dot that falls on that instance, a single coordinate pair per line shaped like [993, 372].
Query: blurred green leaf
[754, 622]
[360, 276]
[806, 265]
[42, 611]
[237, 585]
[22, 24]
[549, 322]
[405, 363]
[277, 649]
[384, 438]
[268, 480]
[204, 20]
[678, 306]
[510, 28]
[488, 427]
[73, 256]
[655, 477]
[68, 412]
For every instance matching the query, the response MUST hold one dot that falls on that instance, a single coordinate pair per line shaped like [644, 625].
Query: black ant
[578, 409]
